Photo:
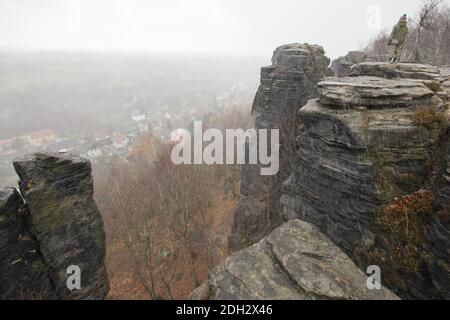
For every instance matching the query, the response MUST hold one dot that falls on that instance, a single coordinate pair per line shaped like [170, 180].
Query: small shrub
[402, 216]
[402, 226]
[428, 117]
[433, 86]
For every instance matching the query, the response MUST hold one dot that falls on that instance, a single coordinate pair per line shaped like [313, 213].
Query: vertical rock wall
[286, 85]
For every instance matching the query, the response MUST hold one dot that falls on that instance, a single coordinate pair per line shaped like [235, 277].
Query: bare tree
[428, 40]
[162, 215]
[426, 18]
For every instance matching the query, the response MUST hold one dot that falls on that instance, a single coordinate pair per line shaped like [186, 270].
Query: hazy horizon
[212, 27]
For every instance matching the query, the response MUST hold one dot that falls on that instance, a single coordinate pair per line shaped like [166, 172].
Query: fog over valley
[224, 150]
[232, 27]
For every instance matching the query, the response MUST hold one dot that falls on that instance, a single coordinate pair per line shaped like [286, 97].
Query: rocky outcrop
[342, 66]
[296, 262]
[437, 244]
[286, 85]
[364, 150]
[57, 225]
[370, 173]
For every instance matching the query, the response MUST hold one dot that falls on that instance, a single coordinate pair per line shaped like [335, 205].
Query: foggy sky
[235, 27]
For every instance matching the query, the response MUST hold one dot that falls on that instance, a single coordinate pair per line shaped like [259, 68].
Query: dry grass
[401, 227]
[428, 117]
[433, 86]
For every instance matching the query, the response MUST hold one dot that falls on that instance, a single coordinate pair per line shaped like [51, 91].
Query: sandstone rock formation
[286, 85]
[437, 244]
[296, 261]
[361, 153]
[438, 78]
[371, 171]
[56, 225]
[342, 66]
[373, 93]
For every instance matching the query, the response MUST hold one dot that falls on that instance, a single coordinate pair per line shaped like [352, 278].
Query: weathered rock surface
[61, 226]
[396, 70]
[358, 150]
[373, 92]
[437, 246]
[23, 273]
[342, 66]
[286, 85]
[420, 73]
[296, 261]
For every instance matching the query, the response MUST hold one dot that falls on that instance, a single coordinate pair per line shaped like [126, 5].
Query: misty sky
[204, 26]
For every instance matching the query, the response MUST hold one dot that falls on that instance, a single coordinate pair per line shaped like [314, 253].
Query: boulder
[295, 262]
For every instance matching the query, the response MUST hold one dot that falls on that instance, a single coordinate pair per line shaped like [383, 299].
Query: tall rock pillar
[286, 85]
[51, 233]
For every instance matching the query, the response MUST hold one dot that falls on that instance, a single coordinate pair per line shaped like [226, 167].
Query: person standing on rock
[397, 38]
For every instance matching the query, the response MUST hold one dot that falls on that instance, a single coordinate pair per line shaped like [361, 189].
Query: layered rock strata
[286, 85]
[54, 226]
[368, 146]
[23, 272]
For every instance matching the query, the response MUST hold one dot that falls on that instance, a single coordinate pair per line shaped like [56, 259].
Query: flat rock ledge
[373, 92]
[396, 70]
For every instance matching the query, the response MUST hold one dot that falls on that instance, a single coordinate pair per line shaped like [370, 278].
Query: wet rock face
[62, 222]
[420, 73]
[437, 245]
[359, 150]
[286, 85]
[295, 261]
